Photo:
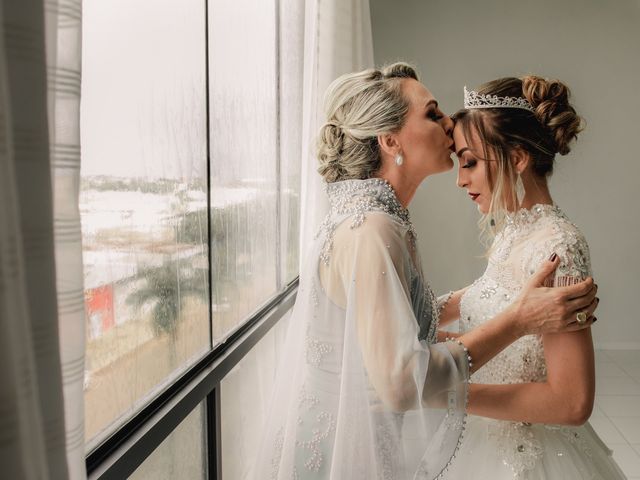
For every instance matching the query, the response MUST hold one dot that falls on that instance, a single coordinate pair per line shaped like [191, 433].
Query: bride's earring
[399, 159]
[520, 191]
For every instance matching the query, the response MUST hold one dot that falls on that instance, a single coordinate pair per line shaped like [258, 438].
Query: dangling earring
[520, 192]
[399, 159]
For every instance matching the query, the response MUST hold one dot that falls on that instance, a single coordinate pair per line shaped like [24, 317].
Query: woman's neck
[536, 192]
[403, 186]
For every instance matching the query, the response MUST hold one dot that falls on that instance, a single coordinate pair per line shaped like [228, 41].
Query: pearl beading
[357, 198]
[442, 474]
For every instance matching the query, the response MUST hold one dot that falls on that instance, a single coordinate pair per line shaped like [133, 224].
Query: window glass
[181, 455]
[143, 201]
[291, 75]
[243, 93]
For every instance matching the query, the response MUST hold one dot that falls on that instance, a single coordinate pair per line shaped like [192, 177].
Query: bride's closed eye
[468, 163]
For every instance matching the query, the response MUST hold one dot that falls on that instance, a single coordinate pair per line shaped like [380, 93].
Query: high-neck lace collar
[356, 197]
[525, 216]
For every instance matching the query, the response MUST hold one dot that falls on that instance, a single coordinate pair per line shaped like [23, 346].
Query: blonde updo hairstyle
[549, 130]
[359, 107]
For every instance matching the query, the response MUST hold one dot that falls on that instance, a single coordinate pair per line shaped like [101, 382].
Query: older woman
[363, 390]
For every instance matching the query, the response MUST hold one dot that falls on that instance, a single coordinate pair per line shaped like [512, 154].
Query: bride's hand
[540, 310]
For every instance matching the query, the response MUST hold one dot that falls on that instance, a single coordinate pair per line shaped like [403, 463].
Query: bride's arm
[368, 277]
[449, 310]
[565, 398]
[538, 310]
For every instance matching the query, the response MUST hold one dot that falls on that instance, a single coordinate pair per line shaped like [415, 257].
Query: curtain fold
[41, 296]
[338, 40]
[63, 40]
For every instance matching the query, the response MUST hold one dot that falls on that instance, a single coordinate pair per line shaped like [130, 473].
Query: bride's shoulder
[561, 236]
[563, 230]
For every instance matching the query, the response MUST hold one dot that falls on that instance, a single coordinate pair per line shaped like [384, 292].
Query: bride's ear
[389, 145]
[520, 159]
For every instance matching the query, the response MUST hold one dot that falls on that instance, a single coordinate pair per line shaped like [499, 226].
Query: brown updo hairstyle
[548, 130]
[359, 107]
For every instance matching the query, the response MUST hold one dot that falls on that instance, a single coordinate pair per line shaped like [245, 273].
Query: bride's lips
[474, 196]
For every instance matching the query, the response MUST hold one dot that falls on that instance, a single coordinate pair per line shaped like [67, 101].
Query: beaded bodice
[355, 198]
[528, 238]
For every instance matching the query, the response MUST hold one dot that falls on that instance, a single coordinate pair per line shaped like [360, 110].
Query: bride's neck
[536, 192]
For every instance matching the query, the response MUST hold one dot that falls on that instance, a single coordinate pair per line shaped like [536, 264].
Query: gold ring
[581, 318]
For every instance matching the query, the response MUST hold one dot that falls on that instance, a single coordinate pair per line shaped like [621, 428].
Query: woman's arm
[368, 277]
[565, 398]
[450, 309]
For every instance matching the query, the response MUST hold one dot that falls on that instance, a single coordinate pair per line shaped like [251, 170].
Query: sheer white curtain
[318, 41]
[41, 296]
[337, 40]
[63, 22]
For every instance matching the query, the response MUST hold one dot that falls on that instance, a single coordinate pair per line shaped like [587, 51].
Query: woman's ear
[520, 159]
[389, 144]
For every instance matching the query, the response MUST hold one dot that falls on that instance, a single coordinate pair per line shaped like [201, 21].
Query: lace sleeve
[575, 261]
[564, 239]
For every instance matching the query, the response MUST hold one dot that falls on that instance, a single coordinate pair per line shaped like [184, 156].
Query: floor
[616, 415]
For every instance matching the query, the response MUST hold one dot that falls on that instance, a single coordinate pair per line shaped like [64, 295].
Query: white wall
[593, 46]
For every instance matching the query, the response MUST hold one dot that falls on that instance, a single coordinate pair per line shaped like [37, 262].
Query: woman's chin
[483, 210]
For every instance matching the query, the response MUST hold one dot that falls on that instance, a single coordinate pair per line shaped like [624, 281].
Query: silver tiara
[473, 99]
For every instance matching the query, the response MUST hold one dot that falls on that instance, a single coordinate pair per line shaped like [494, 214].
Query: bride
[363, 390]
[506, 139]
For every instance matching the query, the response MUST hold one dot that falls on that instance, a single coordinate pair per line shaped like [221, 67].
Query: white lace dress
[500, 450]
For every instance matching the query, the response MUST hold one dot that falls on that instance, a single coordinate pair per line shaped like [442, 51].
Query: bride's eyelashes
[470, 163]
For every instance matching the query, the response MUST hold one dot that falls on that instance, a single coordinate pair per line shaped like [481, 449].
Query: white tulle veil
[363, 390]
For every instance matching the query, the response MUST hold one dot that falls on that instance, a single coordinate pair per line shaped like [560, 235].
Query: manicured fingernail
[553, 257]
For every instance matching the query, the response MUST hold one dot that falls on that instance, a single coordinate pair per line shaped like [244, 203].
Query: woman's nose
[461, 179]
[448, 125]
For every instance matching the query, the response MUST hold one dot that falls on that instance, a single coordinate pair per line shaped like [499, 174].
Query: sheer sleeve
[376, 272]
[358, 395]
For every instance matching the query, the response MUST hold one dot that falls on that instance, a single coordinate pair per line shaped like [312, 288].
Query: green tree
[166, 287]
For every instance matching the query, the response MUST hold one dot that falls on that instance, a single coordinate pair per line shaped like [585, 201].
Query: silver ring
[581, 318]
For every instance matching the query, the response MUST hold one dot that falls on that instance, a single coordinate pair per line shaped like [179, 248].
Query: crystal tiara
[473, 99]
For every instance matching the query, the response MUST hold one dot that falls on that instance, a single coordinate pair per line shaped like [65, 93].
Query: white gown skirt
[496, 450]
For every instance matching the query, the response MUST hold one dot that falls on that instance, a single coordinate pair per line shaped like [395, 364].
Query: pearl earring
[399, 160]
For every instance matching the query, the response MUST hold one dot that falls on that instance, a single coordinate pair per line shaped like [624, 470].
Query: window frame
[120, 455]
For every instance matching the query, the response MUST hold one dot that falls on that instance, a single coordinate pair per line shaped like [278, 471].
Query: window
[243, 91]
[145, 246]
[189, 200]
[181, 455]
